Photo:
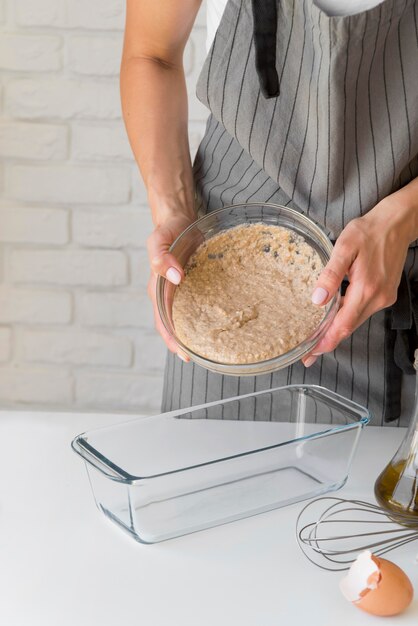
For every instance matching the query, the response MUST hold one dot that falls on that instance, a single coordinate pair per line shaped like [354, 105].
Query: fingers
[167, 338]
[162, 261]
[309, 359]
[351, 311]
[165, 264]
[366, 253]
[351, 315]
[333, 274]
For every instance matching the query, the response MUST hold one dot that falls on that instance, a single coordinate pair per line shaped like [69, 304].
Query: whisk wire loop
[325, 542]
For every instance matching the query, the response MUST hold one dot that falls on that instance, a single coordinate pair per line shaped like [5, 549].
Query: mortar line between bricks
[78, 30]
[62, 72]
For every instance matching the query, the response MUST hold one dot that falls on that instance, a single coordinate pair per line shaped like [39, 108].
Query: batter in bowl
[246, 296]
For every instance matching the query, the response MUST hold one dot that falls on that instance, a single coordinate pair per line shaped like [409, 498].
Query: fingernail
[173, 276]
[319, 295]
[183, 358]
[310, 361]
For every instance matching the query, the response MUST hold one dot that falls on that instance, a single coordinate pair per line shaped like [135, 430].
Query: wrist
[399, 213]
[168, 206]
[405, 201]
[171, 191]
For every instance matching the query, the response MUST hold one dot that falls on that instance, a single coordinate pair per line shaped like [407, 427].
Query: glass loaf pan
[176, 473]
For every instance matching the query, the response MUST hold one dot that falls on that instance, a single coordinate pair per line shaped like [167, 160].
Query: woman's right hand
[163, 263]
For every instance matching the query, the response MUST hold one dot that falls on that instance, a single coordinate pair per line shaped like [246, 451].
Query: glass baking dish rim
[88, 452]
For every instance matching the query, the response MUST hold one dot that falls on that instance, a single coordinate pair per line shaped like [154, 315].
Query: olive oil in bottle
[396, 489]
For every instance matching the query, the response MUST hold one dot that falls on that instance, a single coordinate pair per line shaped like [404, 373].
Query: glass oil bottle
[396, 489]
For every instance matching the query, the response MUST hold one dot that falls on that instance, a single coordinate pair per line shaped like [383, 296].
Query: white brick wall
[30, 53]
[5, 344]
[59, 97]
[100, 142]
[71, 14]
[68, 267]
[46, 387]
[114, 310]
[74, 348]
[24, 225]
[117, 228]
[76, 325]
[66, 183]
[96, 56]
[34, 306]
[40, 142]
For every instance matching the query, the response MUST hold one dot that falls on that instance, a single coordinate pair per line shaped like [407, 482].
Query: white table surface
[63, 563]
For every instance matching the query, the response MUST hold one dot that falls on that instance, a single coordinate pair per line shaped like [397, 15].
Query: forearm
[154, 105]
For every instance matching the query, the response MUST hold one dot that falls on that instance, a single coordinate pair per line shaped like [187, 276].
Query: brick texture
[112, 391]
[22, 225]
[95, 14]
[62, 98]
[69, 267]
[68, 184]
[5, 344]
[77, 348]
[100, 142]
[76, 324]
[30, 53]
[150, 355]
[114, 310]
[41, 13]
[36, 386]
[34, 306]
[97, 56]
[119, 228]
[40, 142]
[139, 269]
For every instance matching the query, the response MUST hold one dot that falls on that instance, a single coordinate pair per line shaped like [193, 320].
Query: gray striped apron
[320, 114]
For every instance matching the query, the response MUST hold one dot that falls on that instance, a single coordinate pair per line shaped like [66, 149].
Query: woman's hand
[164, 263]
[371, 251]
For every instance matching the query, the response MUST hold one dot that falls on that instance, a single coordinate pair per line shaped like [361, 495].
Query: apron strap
[400, 343]
[265, 31]
[402, 322]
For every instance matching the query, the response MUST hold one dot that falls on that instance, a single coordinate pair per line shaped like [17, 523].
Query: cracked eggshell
[377, 586]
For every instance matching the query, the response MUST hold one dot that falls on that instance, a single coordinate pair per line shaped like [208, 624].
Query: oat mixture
[246, 296]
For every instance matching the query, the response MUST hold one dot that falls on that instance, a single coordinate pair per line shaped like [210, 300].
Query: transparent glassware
[228, 217]
[164, 476]
[396, 488]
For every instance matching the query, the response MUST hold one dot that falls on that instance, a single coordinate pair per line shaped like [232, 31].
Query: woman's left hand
[371, 251]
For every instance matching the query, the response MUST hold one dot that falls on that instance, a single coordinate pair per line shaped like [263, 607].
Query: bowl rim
[267, 365]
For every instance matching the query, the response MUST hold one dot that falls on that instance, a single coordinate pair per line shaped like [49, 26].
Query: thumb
[162, 261]
[331, 276]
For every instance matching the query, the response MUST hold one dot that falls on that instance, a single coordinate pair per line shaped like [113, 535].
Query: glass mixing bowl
[228, 217]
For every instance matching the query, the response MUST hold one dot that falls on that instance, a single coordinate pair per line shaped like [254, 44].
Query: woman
[312, 110]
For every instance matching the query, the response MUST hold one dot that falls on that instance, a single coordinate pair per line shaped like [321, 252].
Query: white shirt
[215, 9]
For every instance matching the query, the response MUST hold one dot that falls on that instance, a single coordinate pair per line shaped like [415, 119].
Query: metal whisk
[343, 528]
